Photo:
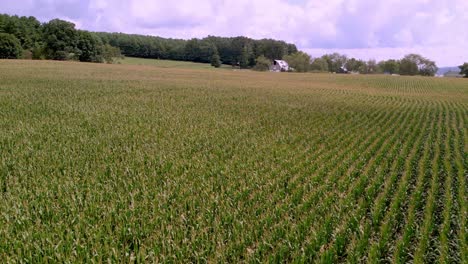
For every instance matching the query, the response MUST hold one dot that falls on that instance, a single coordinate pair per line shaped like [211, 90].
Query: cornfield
[126, 163]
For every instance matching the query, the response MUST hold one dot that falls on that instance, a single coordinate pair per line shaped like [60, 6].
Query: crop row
[115, 163]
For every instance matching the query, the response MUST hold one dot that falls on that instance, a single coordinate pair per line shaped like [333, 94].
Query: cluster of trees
[411, 64]
[59, 40]
[262, 63]
[241, 51]
[299, 61]
[26, 37]
[464, 69]
[10, 47]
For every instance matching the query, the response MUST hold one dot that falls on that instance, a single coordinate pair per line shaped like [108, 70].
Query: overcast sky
[365, 29]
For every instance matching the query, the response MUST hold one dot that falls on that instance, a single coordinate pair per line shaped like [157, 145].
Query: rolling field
[169, 63]
[134, 163]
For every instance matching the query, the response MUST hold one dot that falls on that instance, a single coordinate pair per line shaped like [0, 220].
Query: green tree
[428, 68]
[230, 50]
[335, 61]
[272, 49]
[110, 53]
[192, 50]
[408, 67]
[3, 21]
[464, 69]
[319, 64]
[390, 66]
[292, 48]
[372, 66]
[207, 49]
[38, 52]
[425, 66]
[26, 29]
[354, 65]
[363, 68]
[61, 40]
[10, 47]
[244, 58]
[299, 61]
[262, 63]
[215, 58]
[90, 47]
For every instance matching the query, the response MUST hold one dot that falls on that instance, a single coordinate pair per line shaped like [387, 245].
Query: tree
[299, 61]
[61, 39]
[25, 29]
[192, 50]
[424, 66]
[390, 66]
[292, 48]
[10, 47]
[231, 50]
[3, 21]
[215, 58]
[272, 49]
[319, 64]
[464, 69]
[38, 52]
[244, 58]
[110, 53]
[363, 68]
[371, 66]
[408, 67]
[354, 65]
[335, 61]
[429, 68]
[90, 47]
[207, 49]
[262, 64]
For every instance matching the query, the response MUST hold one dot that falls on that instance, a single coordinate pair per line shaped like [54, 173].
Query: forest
[27, 37]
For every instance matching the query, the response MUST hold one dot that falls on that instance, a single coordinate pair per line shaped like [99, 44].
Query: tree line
[411, 64]
[240, 51]
[26, 37]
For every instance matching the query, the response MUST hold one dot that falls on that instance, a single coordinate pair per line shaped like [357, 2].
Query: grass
[129, 163]
[169, 63]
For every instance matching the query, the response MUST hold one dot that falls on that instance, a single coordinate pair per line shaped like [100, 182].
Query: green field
[126, 163]
[168, 63]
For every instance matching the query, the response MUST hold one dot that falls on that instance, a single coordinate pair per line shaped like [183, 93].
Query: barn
[279, 66]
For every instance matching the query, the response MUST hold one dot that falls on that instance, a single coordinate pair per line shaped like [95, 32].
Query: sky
[365, 29]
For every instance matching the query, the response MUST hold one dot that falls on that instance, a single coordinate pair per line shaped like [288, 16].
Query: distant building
[342, 69]
[279, 66]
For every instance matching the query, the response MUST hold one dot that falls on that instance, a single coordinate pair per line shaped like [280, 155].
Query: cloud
[383, 28]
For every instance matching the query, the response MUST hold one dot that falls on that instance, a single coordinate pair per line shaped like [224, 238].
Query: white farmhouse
[279, 66]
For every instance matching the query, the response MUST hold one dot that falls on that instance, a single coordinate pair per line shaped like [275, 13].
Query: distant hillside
[443, 70]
